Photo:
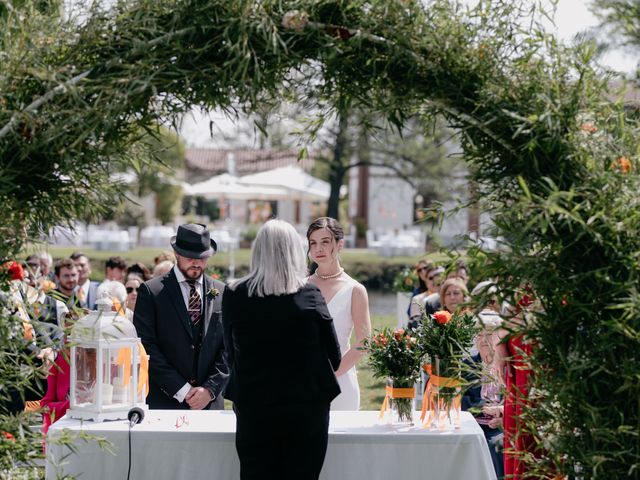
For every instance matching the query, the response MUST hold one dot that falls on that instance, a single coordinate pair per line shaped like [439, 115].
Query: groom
[177, 317]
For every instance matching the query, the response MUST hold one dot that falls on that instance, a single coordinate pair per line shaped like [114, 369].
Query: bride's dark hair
[330, 224]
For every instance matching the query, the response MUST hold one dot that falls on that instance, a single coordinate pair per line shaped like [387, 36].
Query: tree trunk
[338, 170]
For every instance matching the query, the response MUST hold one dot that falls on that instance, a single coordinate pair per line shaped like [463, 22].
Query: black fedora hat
[193, 241]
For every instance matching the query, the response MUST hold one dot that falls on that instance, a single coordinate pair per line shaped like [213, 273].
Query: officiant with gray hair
[177, 317]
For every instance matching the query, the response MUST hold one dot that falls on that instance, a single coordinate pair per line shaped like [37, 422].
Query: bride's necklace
[327, 277]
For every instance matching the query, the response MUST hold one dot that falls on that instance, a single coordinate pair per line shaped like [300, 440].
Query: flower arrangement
[405, 281]
[446, 336]
[394, 355]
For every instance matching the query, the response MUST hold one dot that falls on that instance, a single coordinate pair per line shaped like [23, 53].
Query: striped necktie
[195, 303]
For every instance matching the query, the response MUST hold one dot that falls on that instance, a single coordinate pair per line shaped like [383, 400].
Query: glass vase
[442, 395]
[401, 395]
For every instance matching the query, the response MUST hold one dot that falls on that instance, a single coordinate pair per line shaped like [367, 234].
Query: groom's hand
[198, 398]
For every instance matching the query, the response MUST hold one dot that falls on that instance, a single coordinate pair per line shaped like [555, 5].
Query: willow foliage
[544, 142]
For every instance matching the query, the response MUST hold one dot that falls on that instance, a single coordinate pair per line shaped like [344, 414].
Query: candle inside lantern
[107, 394]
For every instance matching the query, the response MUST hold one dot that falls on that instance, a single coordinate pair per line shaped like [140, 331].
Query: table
[200, 445]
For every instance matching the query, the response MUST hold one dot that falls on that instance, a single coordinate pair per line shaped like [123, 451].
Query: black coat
[163, 325]
[282, 349]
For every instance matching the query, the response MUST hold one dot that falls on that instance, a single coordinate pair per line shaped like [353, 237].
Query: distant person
[67, 278]
[46, 263]
[177, 317]
[115, 268]
[162, 268]
[164, 256]
[283, 352]
[117, 293]
[132, 285]
[430, 278]
[87, 288]
[43, 282]
[458, 270]
[139, 269]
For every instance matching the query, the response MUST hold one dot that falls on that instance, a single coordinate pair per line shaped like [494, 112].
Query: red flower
[442, 317]
[15, 270]
[8, 436]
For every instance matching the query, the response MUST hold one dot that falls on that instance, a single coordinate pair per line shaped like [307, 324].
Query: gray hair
[112, 289]
[278, 263]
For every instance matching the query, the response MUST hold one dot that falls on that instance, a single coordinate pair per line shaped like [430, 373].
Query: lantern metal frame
[105, 332]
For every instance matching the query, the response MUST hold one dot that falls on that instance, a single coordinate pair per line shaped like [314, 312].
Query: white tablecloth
[172, 444]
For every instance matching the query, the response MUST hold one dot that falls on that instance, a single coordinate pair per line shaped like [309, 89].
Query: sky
[572, 17]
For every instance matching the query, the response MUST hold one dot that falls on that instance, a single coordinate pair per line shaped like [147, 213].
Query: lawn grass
[372, 390]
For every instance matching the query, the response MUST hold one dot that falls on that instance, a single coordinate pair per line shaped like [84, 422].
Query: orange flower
[588, 127]
[621, 164]
[442, 317]
[398, 333]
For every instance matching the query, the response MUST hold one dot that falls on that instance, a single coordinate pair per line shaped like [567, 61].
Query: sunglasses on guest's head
[421, 269]
[131, 289]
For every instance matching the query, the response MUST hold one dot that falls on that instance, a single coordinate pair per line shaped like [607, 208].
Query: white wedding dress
[340, 309]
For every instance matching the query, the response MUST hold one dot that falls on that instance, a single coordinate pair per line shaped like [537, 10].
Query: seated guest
[131, 285]
[87, 288]
[430, 280]
[458, 270]
[42, 282]
[114, 269]
[67, 277]
[162, 268]
[165, 256]
[274, 314]
[139, 269]
[55, 402]
[485, 400]
[116, 292]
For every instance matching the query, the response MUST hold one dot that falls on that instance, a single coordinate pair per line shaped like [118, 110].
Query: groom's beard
[192, 273]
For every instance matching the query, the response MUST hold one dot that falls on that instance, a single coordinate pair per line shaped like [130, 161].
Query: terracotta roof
[246, 161]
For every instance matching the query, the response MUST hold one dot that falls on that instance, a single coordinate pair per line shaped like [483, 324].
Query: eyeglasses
[131, 289]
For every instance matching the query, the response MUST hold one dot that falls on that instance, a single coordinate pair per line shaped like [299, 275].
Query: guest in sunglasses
[131, 285]
[429, 279]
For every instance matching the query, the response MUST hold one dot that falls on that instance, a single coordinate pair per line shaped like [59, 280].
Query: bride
[347, 301]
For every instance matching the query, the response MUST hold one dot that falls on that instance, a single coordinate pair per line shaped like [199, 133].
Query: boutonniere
[213, 292]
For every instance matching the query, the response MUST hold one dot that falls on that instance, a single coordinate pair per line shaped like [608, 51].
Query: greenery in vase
[446, 337]
[394, 355]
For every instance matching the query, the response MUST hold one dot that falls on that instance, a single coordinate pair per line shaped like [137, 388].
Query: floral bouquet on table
[394, 355]
[444, 340]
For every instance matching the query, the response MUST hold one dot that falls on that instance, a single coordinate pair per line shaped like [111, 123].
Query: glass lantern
[106, 375]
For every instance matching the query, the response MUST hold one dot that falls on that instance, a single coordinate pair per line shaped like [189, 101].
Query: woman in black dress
[283, 352]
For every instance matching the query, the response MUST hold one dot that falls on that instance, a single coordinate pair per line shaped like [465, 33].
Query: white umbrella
[292, 178]
[227, 186]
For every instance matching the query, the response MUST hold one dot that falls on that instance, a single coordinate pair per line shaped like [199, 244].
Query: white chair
[372, 242]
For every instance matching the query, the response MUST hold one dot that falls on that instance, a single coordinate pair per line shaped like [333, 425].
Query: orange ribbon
[429, 398]
[395, 393]
[124, 359]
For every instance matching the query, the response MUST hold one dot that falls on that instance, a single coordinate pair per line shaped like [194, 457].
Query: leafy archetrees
[553, 159]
